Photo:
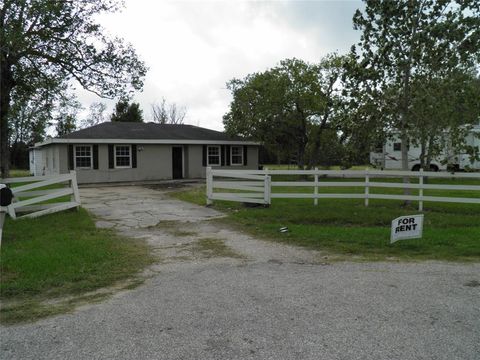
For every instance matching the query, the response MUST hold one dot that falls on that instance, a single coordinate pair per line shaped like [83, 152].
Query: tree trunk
[6, 86]
[428, 161]
[423, 150]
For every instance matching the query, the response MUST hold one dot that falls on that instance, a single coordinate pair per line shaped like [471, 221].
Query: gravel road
[220, 294]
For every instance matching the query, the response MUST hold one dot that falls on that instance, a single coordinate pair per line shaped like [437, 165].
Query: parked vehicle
[389, 156]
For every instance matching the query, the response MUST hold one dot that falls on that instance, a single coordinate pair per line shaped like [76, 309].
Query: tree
[287, 107]
[331, 71]
[29, 119]
[96, 115]
[362, 116]
[407, 39]
[48, 43]
[66, 115]
[165, 113]
[126, 112]
[442, 112]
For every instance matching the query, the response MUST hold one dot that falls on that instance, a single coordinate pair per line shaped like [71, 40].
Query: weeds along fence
[42, 195]
[255, 186]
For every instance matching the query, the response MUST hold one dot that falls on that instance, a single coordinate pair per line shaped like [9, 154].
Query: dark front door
[177, 162]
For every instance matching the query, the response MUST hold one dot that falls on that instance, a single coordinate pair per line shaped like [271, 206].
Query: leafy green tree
[126, 112]
[407, 39]
[47, 43]
[362, 117]
[66, 115]
[331, 75]
[443, 111]
[29, 118]
[286, 107]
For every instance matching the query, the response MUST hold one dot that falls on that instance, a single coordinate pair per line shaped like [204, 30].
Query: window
[83, 157]
[213, 155]
[122, 156]
[236, 155]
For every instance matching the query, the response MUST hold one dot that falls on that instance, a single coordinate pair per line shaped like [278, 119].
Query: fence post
[267, 190]
[76, 193]
[367, 191]
[209, 185]
[420, 192]
[315, 189]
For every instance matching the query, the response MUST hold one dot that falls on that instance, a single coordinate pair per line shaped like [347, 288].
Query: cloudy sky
[192, 48]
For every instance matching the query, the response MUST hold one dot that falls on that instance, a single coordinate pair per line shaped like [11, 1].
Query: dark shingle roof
[149, 131]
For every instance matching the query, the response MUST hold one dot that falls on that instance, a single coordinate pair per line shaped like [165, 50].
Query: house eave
[145, 141]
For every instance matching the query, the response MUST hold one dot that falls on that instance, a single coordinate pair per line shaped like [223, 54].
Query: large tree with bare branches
[45, 43]
[168, 113]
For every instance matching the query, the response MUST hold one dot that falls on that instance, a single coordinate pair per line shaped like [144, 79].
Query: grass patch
[211, 247]
[173, 227]
[19, 173]
[347, 227]
[30, 311]
[60, 255]
[183, 233]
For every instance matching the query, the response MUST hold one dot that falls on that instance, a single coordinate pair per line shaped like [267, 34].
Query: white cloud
[194, 48]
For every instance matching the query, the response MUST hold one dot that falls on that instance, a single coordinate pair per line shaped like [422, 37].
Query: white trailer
[389, 156]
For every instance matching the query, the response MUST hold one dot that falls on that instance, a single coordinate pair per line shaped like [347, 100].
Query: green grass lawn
[59, 255]
[346, 227]
[19, 172]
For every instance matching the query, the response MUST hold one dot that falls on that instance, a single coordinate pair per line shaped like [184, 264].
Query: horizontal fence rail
[260, 190]
[41, 195]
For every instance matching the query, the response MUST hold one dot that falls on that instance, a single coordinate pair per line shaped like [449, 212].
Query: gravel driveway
[220, 294]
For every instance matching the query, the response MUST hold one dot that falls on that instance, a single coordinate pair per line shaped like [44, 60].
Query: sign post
[406, 227]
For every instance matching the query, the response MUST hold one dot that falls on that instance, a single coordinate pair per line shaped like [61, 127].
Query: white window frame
[115, 156]
[219, 155]
[241, 155]
[75, 157]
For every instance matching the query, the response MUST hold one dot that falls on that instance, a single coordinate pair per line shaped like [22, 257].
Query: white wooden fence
[255, 186]
[31, 203]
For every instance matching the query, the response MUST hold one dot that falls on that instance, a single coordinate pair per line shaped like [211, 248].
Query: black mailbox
[6, 196]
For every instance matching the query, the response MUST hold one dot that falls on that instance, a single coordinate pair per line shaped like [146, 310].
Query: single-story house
[123, 152]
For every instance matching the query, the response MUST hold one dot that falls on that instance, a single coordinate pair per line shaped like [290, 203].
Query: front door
[177, 162]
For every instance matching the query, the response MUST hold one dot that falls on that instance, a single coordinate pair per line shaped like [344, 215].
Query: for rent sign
[407, 227]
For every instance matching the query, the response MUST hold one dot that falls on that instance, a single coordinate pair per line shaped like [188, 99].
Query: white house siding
[197, 170]
[38, 166]
[154, 162]
[31, 161]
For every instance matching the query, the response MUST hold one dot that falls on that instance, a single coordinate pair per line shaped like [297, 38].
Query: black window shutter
[95, 157]
[134, 156]
[70, 157]
[111, 159]
[204, 158]
[222, 155]
[228, 156]
[245, 160]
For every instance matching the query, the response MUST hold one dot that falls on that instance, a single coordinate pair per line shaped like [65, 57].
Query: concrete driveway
[220, 294]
